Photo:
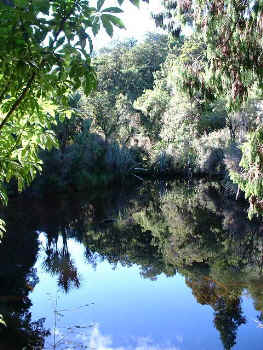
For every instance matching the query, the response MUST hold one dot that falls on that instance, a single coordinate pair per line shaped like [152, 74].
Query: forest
[172, 105]
[143, 153]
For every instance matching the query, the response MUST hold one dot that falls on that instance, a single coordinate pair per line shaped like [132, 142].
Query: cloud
[97, 341]
[100, 342]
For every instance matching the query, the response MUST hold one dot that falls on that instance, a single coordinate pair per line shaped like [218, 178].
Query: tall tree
[232, 34]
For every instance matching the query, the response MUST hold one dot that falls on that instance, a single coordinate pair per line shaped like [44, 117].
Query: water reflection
[18, 278]
[58, 262]
[99, 341]
[176, 229]
[228, 315]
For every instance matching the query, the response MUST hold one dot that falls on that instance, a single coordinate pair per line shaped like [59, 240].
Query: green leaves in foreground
[134, 2]
[107, 19]
[43, 57]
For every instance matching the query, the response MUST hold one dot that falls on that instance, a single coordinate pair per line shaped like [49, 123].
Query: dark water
[160, 266]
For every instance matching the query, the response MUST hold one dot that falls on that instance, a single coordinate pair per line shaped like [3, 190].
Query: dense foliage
[45, 54]
[187, 106]
[231, 36]
[97, 144]
[183, 106]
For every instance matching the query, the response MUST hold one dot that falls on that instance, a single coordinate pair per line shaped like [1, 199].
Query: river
[166, 265]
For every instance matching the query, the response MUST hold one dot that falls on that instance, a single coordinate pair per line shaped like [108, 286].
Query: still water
[163, 266]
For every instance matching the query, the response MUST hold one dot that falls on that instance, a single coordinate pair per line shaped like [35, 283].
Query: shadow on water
[164, 228]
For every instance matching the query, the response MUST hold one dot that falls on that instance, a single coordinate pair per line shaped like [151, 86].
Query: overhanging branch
[18, 100]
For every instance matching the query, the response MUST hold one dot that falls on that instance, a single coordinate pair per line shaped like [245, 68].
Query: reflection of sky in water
[118, 309]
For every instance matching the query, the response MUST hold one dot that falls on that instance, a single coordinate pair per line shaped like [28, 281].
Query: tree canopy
[45, 54]
[232, 67]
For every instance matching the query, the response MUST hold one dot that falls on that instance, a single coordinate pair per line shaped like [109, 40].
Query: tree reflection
[18, 278]
[226, 303]
[21, 332]
[228, 317]
[59, 262]
[189, 229]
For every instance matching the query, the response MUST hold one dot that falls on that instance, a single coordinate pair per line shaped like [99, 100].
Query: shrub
[153, 104]
[232, 158]
[162, 163]
[72, 166]
[210, 122]
[120, 159]
[175, 157]
[210, 152]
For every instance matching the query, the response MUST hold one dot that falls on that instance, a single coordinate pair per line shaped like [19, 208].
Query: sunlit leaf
[100, 3]
[107, 24]
[116, 21]
[113, 10]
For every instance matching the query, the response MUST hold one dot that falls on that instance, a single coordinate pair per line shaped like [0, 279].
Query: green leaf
[100, 3]
[120, 2]
[116, 21]
[3, 196]
[95, 26]
[135, 2]
[60, 42]
[19, 3]
[42, 6]
[90, 43]
[113, 10]
[107, 25]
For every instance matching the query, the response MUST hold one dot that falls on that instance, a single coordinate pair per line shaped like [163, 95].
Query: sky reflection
[118, 309]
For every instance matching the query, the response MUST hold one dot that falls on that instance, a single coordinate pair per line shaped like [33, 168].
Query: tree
[153, 104]
[108, 119]
[231, 31]
[45, 51]
[68, 129]
[129, 67]
[232, 35]
[165, 18]
[124, 71]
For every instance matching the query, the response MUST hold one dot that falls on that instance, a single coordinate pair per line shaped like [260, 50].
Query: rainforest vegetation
[178, 116]
[174, 104]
